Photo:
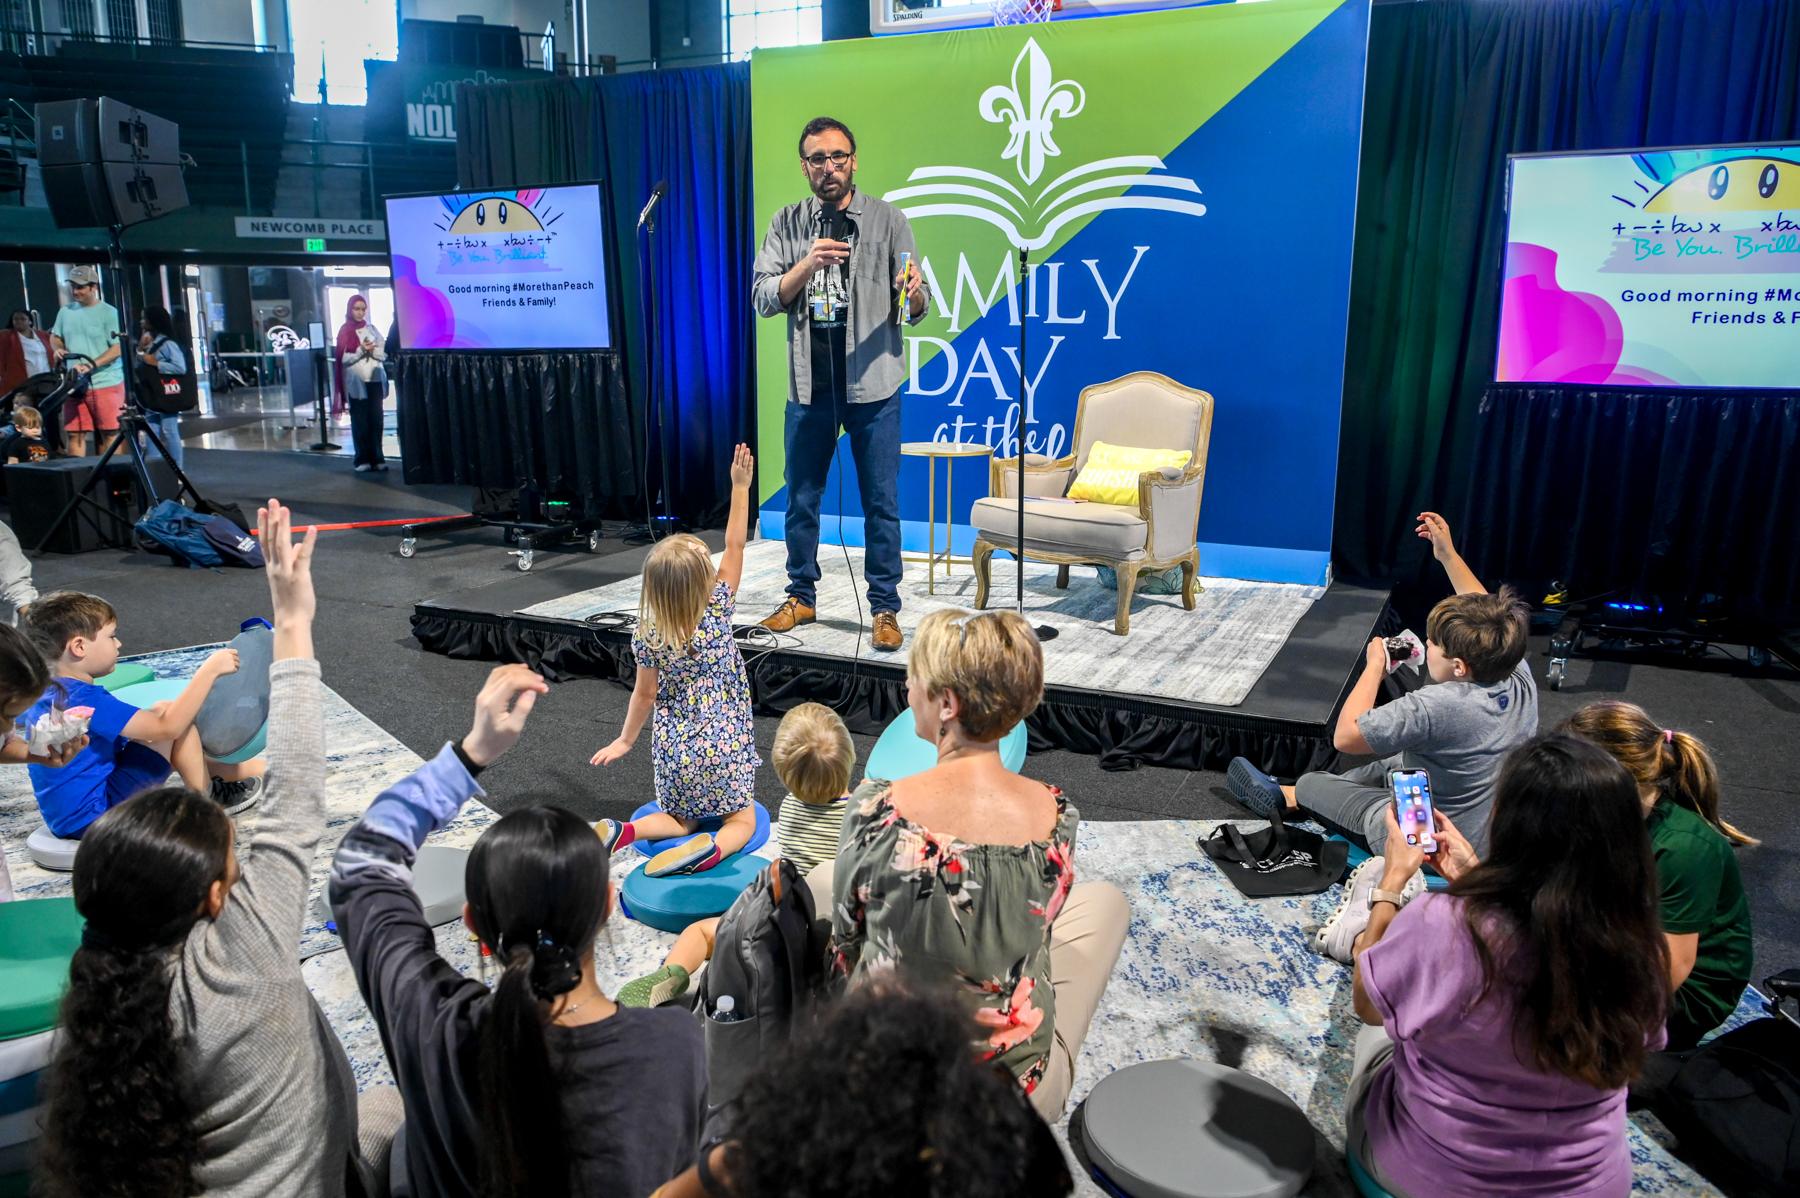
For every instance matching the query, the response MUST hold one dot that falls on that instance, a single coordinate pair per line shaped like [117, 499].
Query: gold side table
[931, 451]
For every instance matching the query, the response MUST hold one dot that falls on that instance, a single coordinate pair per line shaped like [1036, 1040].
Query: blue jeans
[168, 430]
[811, 437]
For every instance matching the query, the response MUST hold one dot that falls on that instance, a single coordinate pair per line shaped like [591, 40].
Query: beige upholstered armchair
[1144, 410]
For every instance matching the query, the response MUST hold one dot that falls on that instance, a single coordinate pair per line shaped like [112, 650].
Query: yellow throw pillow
[1111, 472]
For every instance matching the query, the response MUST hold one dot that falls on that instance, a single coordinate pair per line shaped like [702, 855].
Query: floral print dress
[972, 918]
[702, 739]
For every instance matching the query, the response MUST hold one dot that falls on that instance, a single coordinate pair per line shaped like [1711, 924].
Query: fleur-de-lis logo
[1029, 107]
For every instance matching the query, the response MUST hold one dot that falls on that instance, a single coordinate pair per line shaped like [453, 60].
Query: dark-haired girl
[544, 1086]
[192, 1058]
[1506, 1017]
[24, 676]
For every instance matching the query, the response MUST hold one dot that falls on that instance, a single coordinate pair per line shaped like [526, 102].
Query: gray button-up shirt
[874, 350]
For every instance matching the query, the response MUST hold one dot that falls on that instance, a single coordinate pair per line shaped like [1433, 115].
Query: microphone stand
[656, 396]
[1044, 631]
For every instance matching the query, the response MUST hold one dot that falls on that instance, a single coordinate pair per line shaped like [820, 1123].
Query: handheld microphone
[656, 196]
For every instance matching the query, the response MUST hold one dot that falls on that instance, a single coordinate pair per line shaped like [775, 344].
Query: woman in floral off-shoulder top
[963, 876]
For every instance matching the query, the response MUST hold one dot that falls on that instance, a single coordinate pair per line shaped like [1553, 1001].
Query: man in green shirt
[1703, 898]
[90, 326]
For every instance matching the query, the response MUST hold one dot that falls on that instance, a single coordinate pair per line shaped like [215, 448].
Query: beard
[833, 187]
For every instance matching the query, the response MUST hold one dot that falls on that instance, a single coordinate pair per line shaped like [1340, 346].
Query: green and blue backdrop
[1185, 183]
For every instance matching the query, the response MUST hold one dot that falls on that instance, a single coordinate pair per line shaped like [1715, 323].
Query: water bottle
[725, 1010]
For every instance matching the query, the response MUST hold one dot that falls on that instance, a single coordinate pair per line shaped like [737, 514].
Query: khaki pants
[1084, 945]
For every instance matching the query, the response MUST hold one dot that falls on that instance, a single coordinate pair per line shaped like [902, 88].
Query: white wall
[219, 21]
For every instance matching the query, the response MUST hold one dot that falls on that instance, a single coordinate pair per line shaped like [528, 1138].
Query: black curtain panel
[690, 128]
[1454, 86]
[1690, 501]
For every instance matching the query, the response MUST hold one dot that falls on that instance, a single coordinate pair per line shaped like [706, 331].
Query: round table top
[946, 449]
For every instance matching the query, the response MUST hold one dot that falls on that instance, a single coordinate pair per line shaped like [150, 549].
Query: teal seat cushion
[900, 753]
[37, 938]
[161, 690]
[651, 848]
[672, 903]
[1365, 1185]
[126, 673]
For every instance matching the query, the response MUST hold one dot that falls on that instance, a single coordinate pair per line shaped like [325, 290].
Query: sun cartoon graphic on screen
[498, 212]
[1722, 179]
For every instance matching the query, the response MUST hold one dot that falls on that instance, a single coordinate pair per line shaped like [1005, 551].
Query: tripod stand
[131, 423]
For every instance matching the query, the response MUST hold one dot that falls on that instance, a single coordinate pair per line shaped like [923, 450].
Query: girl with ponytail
[544, 1086]
[191, 1056]
[24, 677]
[1705, 914]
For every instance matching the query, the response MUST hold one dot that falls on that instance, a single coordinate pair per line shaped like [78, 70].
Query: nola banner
[1185, 185]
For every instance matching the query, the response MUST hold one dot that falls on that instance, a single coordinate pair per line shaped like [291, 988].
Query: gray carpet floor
[366, 593]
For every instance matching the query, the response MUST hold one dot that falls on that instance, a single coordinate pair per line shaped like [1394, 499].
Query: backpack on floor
[1734, 1102]
[231, 543]
[769, 956]
[177, 532]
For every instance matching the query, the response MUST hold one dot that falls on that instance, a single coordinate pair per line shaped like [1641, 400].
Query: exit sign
[315, 245]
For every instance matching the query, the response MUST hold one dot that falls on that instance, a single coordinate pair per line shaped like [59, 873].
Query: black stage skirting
[1284, 724]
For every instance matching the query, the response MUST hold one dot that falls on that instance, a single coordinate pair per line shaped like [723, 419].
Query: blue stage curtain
[692, 128]
[1454, 86]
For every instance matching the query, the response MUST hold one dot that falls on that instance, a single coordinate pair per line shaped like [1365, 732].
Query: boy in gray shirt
[1482, 703]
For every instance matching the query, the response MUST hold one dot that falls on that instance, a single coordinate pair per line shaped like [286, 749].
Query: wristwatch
[1378, 895]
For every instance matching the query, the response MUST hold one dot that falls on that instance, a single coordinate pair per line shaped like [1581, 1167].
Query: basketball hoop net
[1024, 12]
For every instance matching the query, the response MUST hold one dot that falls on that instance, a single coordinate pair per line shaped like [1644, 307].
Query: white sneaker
[1336, 937]
[363, 468]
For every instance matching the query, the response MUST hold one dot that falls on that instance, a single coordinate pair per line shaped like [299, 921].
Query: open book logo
[1030, 105]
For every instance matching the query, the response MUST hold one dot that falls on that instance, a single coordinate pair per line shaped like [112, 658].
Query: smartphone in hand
[1412, 807]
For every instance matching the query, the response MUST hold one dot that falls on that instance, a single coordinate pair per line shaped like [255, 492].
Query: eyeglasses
[818, 161]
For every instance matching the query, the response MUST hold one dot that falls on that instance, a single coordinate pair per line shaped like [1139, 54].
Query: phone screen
[1412, 807]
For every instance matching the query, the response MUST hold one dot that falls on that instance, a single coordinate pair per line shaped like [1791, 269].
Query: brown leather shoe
[887, 631]
[790, 615]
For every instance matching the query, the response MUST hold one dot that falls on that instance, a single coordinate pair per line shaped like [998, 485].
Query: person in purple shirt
[1506, 1016]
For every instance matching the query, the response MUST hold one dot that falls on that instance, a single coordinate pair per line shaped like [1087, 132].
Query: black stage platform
[1284, 723]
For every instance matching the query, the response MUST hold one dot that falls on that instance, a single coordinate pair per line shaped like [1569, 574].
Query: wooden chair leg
[1190, 580]
[1127, 573]
[1062, 578]
[981, 558]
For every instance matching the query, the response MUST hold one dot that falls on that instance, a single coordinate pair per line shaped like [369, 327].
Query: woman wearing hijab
[349, 343]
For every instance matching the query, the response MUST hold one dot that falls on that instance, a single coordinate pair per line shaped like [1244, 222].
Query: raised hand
[1434, 528]
[289, 564]
[743, 466]
[503, 705]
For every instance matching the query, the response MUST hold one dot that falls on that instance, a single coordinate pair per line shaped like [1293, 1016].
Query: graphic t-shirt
[1458, 732]
[828, 305]
[91, 331]
[74, 796]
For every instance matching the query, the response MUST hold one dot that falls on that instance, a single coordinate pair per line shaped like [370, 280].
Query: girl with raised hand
[192, 1058]
[689, 671]
[543, 1086]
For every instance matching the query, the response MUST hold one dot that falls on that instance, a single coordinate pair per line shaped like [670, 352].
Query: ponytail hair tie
[1668, 736]
[554, 969]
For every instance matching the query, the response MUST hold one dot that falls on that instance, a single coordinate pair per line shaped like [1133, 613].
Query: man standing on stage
[833, 264]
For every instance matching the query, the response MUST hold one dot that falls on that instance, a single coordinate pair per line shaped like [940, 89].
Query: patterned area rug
[1212, 655]
[1204, 973]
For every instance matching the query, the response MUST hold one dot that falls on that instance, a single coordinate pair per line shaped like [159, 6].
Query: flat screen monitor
[1653, 268]
[507, 269]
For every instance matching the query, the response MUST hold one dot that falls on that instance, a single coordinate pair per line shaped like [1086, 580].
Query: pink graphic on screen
[516, 269]
[1549, 335]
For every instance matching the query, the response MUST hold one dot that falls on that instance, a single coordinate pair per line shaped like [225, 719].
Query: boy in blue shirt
[129, 749]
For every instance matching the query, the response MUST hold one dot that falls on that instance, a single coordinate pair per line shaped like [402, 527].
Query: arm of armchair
[1043, 476]
[1169, 503]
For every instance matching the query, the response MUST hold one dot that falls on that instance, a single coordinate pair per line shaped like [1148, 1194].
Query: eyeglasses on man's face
[818, 162]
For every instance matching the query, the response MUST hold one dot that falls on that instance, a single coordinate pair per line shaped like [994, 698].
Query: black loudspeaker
[108, 163]
[38, 492]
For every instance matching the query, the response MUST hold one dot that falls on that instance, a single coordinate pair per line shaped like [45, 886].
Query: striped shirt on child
[808, 832]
